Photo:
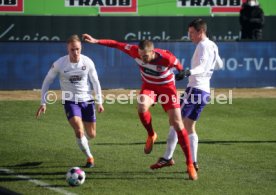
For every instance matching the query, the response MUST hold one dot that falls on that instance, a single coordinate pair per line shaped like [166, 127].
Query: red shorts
[166, 95]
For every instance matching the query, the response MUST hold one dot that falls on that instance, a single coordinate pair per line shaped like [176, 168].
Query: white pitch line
[37, 182]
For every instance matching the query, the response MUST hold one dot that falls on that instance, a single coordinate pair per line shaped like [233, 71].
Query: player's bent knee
[142, 109]
[178, 125]
[79, 133]
[92, 134]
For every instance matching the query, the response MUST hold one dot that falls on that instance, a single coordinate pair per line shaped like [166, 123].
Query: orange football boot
[149, 143]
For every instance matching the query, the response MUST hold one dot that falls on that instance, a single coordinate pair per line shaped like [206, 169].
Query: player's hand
[89, 39]
[100, 108]
[182, 74]
[187, 73]
[41, 109]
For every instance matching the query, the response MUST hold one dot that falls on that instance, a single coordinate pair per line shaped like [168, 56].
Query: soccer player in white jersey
[75, 72]
[204, 61]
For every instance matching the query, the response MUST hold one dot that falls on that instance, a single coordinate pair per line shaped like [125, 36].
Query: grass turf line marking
[37, 182]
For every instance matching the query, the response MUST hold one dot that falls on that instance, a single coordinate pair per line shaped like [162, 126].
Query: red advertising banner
[215, 6]
[132, 8]
[11, 5]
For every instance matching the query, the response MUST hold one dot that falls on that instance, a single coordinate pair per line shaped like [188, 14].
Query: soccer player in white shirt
[204, 61]
[75, 72]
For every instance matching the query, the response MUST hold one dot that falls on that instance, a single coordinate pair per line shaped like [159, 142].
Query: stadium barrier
[161, 28]
[246, 64]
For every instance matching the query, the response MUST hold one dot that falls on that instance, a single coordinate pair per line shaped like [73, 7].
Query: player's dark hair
[73, 38]
[198, 25]
[145, 44]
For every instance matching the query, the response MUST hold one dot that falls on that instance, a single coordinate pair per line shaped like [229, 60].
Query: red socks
[183, 140]
[145, 118]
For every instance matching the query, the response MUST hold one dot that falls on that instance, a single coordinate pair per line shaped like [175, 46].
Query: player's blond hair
[73, 38]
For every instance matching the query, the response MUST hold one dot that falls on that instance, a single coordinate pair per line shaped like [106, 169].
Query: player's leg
[88, 110]
[74, 116]
[191, 109]
[193, 137]
[168, 98]
[144, 103]
[77, 124]
[182, 134]
[183, 140]
[145, 100]
[172, 139]
[90, 133]
[89, 121]
[171, 143]
[190, 126]
[167, 160]
[90, 129]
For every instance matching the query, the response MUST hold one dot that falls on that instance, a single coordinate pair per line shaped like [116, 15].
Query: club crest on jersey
[127, 47]
[83, 67]
[159, 68]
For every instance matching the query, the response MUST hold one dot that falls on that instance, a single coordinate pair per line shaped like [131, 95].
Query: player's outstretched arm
[41, 109]
[88, 38]
[128, 49]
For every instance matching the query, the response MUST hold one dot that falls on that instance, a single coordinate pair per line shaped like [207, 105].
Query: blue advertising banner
[246, 64]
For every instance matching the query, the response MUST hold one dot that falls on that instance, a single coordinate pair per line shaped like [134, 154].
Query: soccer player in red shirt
[156, 68]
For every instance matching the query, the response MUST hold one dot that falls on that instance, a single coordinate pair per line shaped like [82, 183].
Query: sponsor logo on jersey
[75, 78]
[151, 72]
[11, 5]
[106, 6]
[216, 6]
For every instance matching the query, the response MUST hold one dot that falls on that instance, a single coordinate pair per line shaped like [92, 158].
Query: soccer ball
[75, 176]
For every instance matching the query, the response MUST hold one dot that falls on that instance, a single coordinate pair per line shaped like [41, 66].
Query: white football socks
[171, 143]
[194, 145]
[83, 144]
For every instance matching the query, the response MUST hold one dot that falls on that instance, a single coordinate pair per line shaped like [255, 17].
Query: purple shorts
[192, 103]
[85, 110]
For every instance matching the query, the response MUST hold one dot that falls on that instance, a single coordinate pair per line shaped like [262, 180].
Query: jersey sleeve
[171, 61]
[131, 50]
[219, 62]
[50, 77]
[93, 76]
[176, 63]
[203, 60]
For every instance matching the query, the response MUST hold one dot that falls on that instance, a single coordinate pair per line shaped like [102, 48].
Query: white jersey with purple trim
[205, 60]
[75, 80]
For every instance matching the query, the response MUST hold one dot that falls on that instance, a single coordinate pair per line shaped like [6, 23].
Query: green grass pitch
[237, 151]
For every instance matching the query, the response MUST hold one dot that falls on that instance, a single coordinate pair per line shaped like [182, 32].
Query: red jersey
[159, 71]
